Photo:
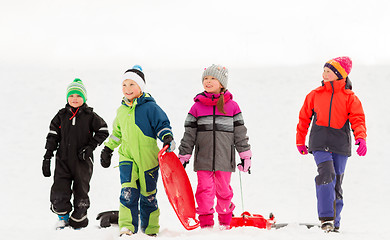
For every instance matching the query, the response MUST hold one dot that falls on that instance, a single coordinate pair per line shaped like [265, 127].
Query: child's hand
[105, 157]
[168, 140]
[86, 153]
[302, 149]
[246, 162]
[46, 168]
[245, 165]
[362, 149]
[46, 163]
[184, 159]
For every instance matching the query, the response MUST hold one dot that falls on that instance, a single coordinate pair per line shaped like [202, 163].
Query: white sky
[187, 34]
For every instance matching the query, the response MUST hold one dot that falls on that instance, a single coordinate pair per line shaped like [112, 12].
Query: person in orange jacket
[333, 109]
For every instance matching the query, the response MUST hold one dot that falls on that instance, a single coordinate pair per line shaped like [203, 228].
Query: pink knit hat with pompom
[341, 66]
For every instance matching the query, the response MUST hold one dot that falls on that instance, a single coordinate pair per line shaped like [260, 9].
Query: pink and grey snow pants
[210, 185]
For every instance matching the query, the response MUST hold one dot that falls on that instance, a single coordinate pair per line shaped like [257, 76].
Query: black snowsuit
[71, 130]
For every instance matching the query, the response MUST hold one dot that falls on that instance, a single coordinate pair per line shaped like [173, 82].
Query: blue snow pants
[138, 198]
[330, 167]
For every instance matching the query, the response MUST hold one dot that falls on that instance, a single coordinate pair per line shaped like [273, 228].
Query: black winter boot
[78, 223]
[327, 226]
[79, 218]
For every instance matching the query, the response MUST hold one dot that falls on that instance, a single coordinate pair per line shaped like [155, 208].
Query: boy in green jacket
[139, 122]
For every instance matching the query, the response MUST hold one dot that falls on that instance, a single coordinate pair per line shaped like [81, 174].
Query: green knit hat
[77, 87]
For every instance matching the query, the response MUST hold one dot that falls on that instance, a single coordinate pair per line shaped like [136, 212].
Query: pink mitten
[245, 165]
[302, 149]
[246, 162]
[184, 159]
[362, 149]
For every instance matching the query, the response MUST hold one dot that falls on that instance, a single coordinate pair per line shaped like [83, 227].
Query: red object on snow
[255, 220]
[178, 188]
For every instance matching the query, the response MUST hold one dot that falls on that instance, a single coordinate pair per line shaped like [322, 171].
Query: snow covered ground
[282, 181]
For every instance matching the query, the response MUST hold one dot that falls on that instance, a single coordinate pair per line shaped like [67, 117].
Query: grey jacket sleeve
[190, 130]
[240, 134]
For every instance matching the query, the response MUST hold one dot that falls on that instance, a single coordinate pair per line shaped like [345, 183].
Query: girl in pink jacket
[215, 127]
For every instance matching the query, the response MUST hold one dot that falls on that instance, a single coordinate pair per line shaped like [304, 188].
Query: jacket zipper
[330, 112]
[213, 136]
[73, 118]
[331, 100]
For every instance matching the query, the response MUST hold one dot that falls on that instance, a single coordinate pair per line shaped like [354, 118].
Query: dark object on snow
[107, 218]
[308, 225]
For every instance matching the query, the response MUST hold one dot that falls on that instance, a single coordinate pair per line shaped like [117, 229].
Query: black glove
[46, 168]
[86, 153]
[106, 218]
[46, 163]
[105, 157]
[168, 140]
[48, 155]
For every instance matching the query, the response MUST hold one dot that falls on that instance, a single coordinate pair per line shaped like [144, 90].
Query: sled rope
[242, 198]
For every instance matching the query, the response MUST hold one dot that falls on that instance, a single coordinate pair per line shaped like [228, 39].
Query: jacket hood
[145, 97]
[346, 83]
[212, 98]
[82, 108]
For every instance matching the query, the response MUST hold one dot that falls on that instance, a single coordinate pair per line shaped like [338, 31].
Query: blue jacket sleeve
[160, 122]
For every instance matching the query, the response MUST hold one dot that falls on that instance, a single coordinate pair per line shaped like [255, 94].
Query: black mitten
[106, 218]
[168, 140]
[46, 163]
[86, 153]
[46, 168]
[105, 157]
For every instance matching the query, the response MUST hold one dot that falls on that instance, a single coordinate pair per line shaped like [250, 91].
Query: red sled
[178, 188]
[255, 220]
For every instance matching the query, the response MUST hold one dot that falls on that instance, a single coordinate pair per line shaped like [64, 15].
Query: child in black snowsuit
[75, 132]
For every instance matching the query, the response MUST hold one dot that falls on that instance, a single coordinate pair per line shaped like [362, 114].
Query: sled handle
[162, 151]
[188, 227]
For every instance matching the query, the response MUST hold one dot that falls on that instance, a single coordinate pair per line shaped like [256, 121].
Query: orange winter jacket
[333, 108]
